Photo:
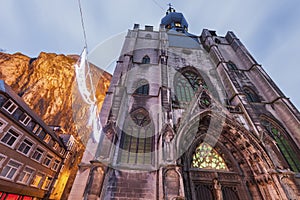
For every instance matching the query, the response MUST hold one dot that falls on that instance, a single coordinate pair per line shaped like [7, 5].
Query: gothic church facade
[191, 117]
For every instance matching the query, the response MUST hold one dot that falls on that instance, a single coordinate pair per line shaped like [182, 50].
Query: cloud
[269, 29]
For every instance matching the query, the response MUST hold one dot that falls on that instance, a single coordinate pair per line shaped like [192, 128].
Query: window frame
[25, 175]
[186, 84]
[70, 145]
[50, 160]
[62, 151]
[15, 173]
[142, 87]
[68, 154]
[41, 133]
[2, 160]
[47, 138]
[26, 119]
[55, 164]
[283, 143]
[146, 60]
[42, 154]
[46, 183]
[7, 109]
[55, 145]
[40, 182]
[4, 124]
[15, 141]
[36, 128]
[137, 148]
[30, 149]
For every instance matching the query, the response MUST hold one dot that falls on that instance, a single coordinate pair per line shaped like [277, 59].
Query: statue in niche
[217, 189]
[168, 150]
[268, 143]
[290, 188]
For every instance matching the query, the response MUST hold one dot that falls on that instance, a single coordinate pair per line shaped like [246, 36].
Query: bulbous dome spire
[174, 20]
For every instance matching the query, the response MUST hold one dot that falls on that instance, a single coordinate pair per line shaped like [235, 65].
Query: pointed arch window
[231, 66]
[251, 95]
[146, 60]
[283, 144]
[186, 85]
[137, 139]
[205, 157]
[142, 87]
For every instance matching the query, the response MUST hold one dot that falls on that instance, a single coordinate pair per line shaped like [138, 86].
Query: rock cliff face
[48, 85]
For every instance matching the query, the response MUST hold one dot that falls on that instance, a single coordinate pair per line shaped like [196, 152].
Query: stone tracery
[205, 157]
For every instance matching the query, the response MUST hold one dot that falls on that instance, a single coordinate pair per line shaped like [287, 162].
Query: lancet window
[146, 59]
[186, 85]
[137, 138]
[283, 144]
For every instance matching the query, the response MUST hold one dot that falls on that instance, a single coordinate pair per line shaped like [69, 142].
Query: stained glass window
[142, 87]
[205, 157]
[284, 145]
[186, 84]
[137, 139]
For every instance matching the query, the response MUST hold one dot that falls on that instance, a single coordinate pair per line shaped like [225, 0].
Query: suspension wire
[82, 24]
[154, 1]
[93, 119]
[88, 75]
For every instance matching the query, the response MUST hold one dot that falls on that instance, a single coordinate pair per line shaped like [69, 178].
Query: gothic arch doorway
[212, 173]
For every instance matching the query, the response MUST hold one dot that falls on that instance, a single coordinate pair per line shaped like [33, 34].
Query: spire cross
[170, 8]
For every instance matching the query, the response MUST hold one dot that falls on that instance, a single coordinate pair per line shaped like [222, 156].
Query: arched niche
[244, 160]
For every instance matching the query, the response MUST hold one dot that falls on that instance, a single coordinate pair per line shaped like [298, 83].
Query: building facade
[32, 156]
[191, 117]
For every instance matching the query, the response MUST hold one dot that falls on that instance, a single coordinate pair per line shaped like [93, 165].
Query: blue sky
[269, 29]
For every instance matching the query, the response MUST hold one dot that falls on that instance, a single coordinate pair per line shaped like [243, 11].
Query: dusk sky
[269, 29]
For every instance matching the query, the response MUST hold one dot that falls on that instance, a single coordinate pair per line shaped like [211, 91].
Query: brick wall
[129, 185]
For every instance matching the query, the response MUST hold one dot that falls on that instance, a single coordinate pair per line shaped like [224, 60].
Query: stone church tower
[191, 117]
